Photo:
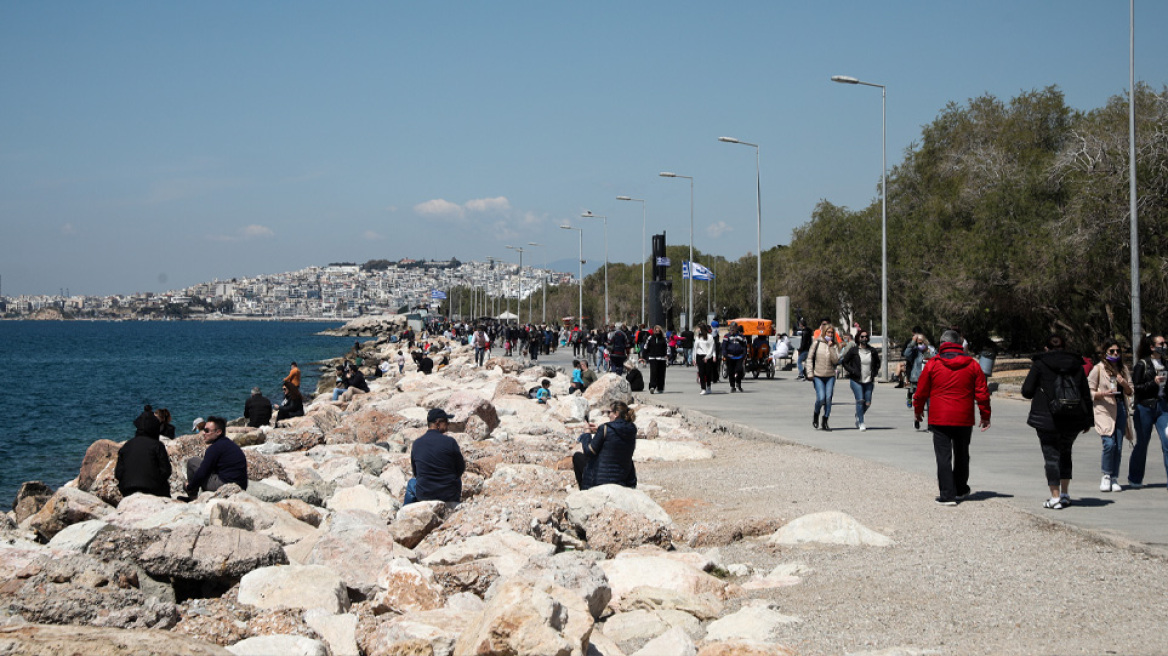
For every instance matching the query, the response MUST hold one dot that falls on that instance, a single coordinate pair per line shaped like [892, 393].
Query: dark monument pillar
[659, 287]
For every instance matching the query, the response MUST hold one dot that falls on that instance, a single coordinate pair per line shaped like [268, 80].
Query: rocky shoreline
[319, 557]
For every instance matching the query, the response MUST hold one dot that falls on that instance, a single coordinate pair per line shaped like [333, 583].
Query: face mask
[1113, 358]
[1161, 349]
[921, 347]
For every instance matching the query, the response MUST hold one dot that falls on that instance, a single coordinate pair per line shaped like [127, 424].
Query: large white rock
[284, 645]
[294, 586]
[608, 389]
[582, 505]
[670, 451]
[627, 574]
[759, 622]
[529, 617]
[674, 642]
[634, 625]
[830, 527]
[406, 587]
[415, 521]
[245, 511]
[507, 550]
[76, 537]
[339, 631]
[360, 497]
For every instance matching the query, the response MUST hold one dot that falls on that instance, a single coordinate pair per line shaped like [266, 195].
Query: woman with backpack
[1060, 409]
[1151, 408]
[1110, 386]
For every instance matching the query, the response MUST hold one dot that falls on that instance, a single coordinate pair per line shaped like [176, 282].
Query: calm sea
[68, 383]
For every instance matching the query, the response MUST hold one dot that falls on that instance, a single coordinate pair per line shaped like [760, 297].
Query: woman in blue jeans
[1148, 377]
[861, 364]
[1110, 386]
[822, 358]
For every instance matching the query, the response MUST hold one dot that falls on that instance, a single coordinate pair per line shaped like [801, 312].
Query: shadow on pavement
[982, 495]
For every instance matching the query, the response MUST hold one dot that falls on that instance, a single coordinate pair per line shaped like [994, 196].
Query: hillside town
[336, 291]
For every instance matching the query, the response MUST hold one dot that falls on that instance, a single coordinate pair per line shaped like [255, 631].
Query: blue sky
[148, 146]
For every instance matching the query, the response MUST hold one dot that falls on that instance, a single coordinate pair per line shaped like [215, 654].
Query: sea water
[69, 383]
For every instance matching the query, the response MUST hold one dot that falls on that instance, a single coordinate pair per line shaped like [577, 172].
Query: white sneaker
[1115, 486]
[1105, 484]
[862, 427]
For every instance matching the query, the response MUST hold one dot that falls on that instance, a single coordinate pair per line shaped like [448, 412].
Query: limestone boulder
[427, 633]
[673, 642]
[627, 574]
[463, 403]
[360, 497]
[574, 571]
[210, 553]
[509, 386]
[508, 551]
[294, 586]
[571, 409]
[634, 626]
[368, 426]
[703, 606]
[582, 505]
[830, 527]
[46, 640]
[527, 480]
[285, 645]
[77, 537]
[67, 506]
[607, 390]
[758, 622]
[302, 511]
[744, 648]
[527, 618]
[417, 520]
[261, 466]
[250, 514]
[613, 530]
[474, 577]
[339, 632]
[407, 587]
[31, 497]
[97, 457]
[138, 507]
[358, 555]
[506, 365]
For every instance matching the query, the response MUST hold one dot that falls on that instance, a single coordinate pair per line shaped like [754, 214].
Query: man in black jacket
[437, 463]
[258, 409]
[223, 462]
[1057, 375]
[143, 465]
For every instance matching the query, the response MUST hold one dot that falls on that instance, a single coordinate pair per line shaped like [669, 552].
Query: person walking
[822, 357]
[1148, 377]
[1110, 384]
[1060, 409]
[918, 352]
[805, 338]
[480, 345]
[861, 364]
[704, 356]
[656, 352]
[950, 387]
[734, 349]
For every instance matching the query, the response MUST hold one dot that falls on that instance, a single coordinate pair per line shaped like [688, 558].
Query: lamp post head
[567, 227]
[667, 174]
[844, 79]
[624, 198]
[728, 140]
[587, 214]
[531, 243]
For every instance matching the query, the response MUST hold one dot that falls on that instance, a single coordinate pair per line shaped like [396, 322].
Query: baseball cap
[437, 414]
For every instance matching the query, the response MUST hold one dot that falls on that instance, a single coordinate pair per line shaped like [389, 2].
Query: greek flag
[438, 295]
[699, 272]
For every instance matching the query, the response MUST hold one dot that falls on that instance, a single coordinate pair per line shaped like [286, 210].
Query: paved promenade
[1005, 461]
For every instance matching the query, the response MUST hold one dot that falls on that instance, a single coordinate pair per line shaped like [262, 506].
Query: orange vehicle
[758, 332]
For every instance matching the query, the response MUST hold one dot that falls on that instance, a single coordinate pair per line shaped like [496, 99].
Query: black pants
[657, 374]
[705, 371]
[579, 460]
[1056, 453]
[736, 369]
[951, 445]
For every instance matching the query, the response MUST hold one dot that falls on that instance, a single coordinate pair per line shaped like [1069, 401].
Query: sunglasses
[1113, 350]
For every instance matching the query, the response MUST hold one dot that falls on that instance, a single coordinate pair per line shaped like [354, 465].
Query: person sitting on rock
[166, 427]
[143, 465]
[606, 454]
[544, 392]
[293, 404]
[356, 384]
[425, 364]
[577, 384]
[258, 409]
[293, 377]
[437, 463]
[223, 462]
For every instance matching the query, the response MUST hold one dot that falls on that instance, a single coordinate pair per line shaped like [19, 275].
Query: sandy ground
[981, 578]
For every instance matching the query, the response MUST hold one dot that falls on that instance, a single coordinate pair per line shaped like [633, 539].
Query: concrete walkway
[1005, 461]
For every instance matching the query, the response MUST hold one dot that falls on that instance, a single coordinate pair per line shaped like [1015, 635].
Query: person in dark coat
[606, 454]
[166, 428]
[143, 465]
[437, 463]
[655, 352]
[223, 462]
[1057, 433]
[258, 409]
[293, 404]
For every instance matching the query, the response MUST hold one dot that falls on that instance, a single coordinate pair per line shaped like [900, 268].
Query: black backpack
[636, 380]
[1064, 398]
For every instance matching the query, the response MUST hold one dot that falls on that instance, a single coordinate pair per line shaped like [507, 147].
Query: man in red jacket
[950, 384]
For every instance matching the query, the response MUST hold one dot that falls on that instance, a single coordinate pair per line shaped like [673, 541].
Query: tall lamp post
[668, 174]
[758, 204]
[589, 215]
[519, 303]
[1137, 328]
[543, 280]
[844, 79]
[580, 302]
[642, 202]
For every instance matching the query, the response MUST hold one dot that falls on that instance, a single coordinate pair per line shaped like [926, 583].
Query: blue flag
[438, 295]
[699, 272]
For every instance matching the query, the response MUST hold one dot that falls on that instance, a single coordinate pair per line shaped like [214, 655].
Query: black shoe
[185, 499]
[815, 422]
[825, 426]
[916, 424]
[900, 385]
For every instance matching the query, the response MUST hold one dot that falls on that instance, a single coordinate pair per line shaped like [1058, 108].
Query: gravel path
[981, 578]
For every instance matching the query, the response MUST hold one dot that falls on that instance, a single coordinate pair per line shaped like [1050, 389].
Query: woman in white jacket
[704, 354]
[1110, 385]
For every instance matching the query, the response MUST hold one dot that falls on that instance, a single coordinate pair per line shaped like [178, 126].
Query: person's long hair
[1118, 367]
[623, 411]
[292, 392]
[1145, 349]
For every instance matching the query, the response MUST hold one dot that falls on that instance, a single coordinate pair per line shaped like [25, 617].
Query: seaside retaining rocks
[210, 553]
[291, 586]
[829, 528]
[526, 617]
[67, 506]
[42, 640]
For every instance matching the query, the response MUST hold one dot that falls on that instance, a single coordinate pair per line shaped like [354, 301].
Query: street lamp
[519, 303]
[1137, 327]
[642, 202]
[589, 215]
[580, 302]
[543, 280]
[669, 174]
[844, 79]
[758, 203]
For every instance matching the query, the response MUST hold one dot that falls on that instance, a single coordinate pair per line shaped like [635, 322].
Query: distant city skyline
[147, 147]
